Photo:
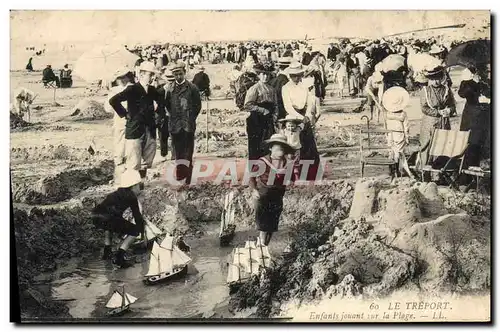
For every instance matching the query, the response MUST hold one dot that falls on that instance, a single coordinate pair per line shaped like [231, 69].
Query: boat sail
[227, 226]
[166, 261]
[151, 232]
[120, 302]
[248, 261]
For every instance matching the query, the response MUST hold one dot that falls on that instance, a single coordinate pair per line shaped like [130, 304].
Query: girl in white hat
[394, 100]
[268, 189]
[108, 215]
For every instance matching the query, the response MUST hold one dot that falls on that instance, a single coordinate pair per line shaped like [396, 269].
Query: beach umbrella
[102, 62]
[472, 53]
[392, 62]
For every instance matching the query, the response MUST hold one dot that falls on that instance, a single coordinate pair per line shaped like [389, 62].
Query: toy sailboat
[247, 261]
[119, 302]
[151, 232]
[167, 261]
[227, 226]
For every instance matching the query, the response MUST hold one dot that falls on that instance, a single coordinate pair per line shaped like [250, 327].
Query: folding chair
[369, 152]
[49, 84]
[450, 144]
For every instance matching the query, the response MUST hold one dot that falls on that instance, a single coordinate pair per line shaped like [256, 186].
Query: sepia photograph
[289, 166]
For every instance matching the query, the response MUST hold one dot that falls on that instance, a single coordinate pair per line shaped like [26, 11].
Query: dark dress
[270, 202]
[108, 215]
[476, 118]
[260, 98]
[277, 83]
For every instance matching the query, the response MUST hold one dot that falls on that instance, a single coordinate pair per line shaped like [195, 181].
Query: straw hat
[148, 66]
[434, 72]
[201, 68]
[279, 139]
[285, 61]
[295, 68]
[436, 49]
[129, 178]
[377, 77]
[178, 67]
[263, 68]
[395, 99]
[291, 118]
[168, 75]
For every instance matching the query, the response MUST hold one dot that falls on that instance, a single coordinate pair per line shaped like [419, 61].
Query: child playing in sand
[394, 101]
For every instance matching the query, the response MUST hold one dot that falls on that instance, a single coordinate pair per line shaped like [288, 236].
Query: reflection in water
[93, 281]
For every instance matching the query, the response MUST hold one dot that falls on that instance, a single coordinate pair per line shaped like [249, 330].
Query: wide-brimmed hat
[436, 49]
[395, 99]
[201, 68]
[148, 66]
[178, 67]
[435, 72]
[129, 178]
[377, 77]
[168, 75]
[291, 118]
[279, 139]
[285, 61]
[295, 68]
[266, 67]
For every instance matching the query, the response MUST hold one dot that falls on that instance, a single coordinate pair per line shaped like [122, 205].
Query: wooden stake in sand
[208, 111]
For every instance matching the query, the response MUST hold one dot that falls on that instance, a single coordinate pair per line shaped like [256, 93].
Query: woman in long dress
[260, 103]
[300, 102]
[438, 104]
[476, 89]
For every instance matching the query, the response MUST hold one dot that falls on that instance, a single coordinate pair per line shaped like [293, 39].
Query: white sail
[236, 269]
[252, 257]
[129, 299]
[263, 253]
[168, 242]
[179, 257]
[160, 261]
[151, 230]
[250, 244]
[115, 301]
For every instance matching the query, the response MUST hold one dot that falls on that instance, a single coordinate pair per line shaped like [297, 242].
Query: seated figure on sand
[65, 77]
[48, 77]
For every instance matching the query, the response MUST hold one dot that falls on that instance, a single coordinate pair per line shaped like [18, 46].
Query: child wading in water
[109, 216]
[268, 189]
[394, 101]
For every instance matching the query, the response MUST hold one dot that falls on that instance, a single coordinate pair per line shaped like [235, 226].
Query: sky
[146, 26]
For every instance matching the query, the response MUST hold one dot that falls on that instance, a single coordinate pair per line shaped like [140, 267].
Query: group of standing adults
[145, 112]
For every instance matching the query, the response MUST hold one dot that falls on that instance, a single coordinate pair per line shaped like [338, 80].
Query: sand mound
[401, 235]
[89, 109]
[63, 185]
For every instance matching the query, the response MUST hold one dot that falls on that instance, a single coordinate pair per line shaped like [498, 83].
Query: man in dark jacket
[49, 76]
[183, 103]
[140, 130]
[278, 82]
[108, 215]
[202, 81]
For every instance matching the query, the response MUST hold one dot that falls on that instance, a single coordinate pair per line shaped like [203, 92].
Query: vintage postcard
[291, 166]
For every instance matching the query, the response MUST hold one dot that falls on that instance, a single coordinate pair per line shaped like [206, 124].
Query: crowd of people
[281, 87]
